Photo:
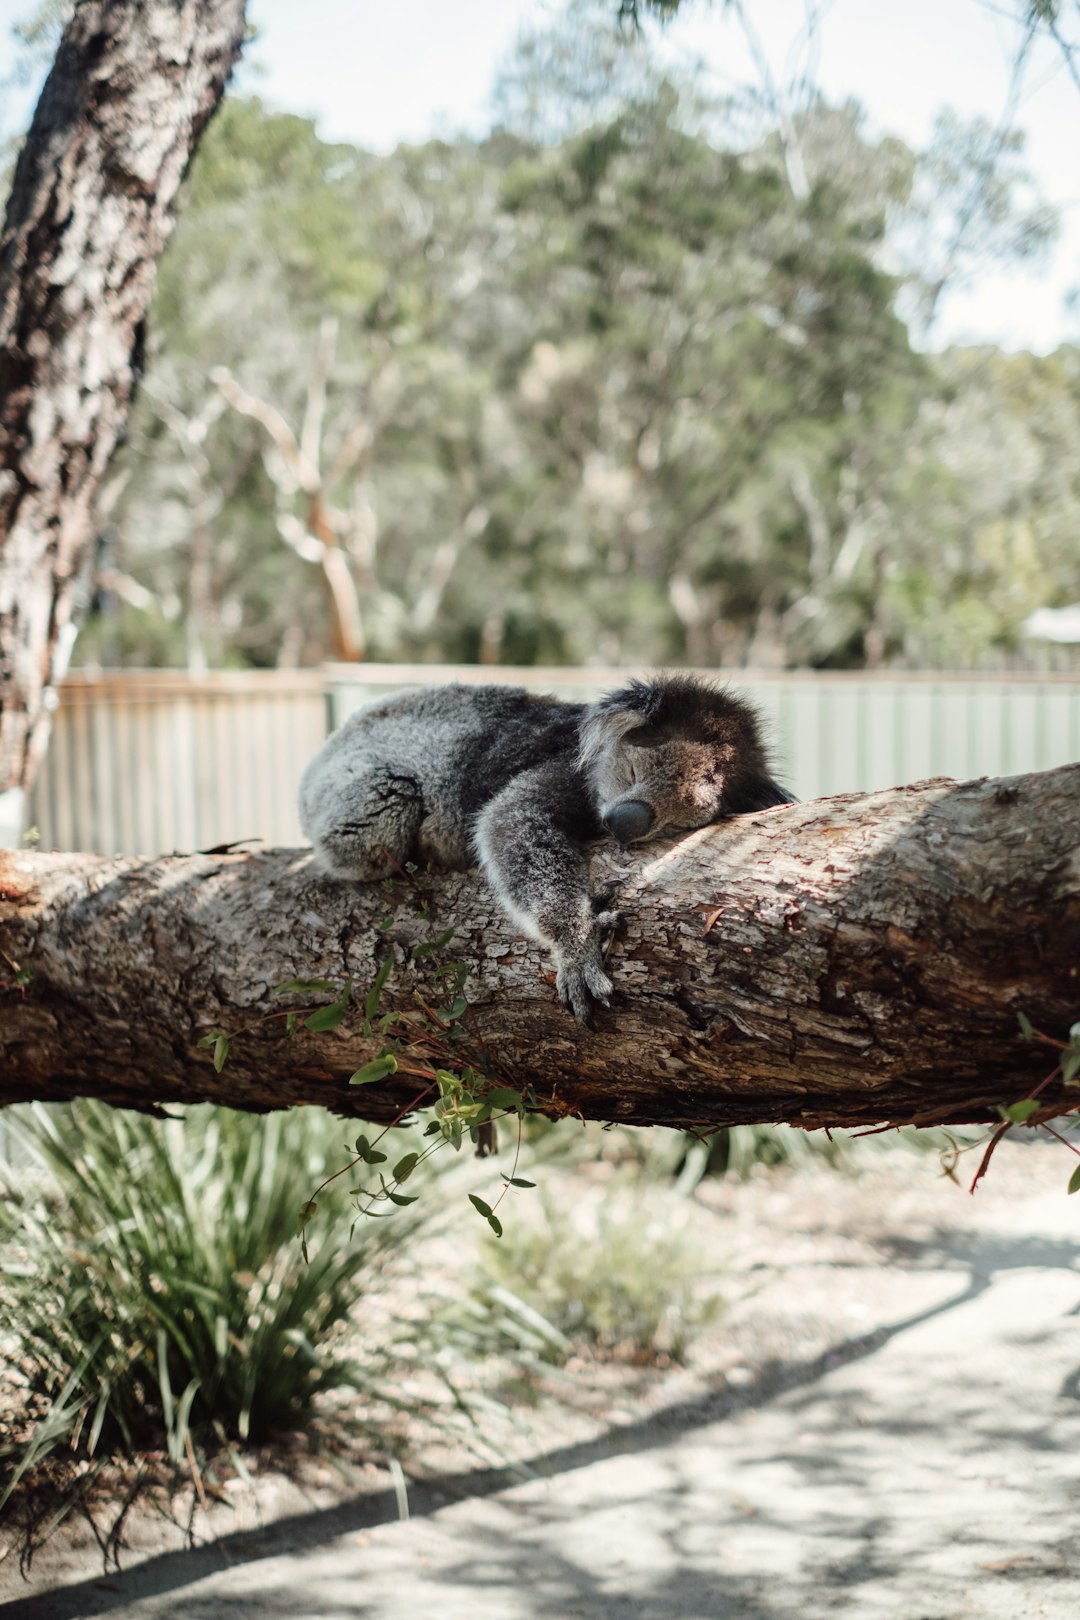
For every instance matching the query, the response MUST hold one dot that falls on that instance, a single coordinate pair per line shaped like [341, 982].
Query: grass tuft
[154, 1295]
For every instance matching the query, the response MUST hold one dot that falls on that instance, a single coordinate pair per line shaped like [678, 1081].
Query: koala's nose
[629, 821]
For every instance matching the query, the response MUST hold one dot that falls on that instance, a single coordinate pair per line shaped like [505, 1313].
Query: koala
[523, 785]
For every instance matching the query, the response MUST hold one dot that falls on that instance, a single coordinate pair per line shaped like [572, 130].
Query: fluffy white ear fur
[603, 726]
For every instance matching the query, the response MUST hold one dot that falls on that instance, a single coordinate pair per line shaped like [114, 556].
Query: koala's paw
[583, 982]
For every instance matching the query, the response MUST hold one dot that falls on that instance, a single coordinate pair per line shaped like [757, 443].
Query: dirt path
[895, 1434]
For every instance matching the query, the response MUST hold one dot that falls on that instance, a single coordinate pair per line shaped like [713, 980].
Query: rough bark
[133, 86]
[855, 960]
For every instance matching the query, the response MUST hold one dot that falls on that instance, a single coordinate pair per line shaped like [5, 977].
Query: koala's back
[410, 772]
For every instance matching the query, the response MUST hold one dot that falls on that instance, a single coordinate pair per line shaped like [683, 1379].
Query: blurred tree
[972, 205]
[90, 208]
[637, 393]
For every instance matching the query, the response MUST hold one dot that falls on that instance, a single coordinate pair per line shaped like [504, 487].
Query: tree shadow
[550, 1583]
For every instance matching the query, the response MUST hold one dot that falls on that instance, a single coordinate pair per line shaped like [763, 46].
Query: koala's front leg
[529, 840]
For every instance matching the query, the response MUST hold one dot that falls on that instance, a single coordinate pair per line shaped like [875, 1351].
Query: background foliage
[636, 377]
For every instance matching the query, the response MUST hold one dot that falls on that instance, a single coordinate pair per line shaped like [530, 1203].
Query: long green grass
[624, 1276]
[153, 1294]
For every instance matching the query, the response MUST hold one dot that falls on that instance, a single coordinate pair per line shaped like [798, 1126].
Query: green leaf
[1074, 1180]
[291, 1021]
[1070, 1065]
[503, 1097]
[371, 1000]
[478, 1203]
[1026, 1027]
[387, 923]
[326, 1018]
[307, 987]
[1020, 1112]
[519, 1181]
[221, 1051]
[405, 1167]
[305, 1213]
[402, 1198]
[377, 1069]
[495, 1224]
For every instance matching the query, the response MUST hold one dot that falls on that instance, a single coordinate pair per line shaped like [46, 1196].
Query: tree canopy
[625, 393]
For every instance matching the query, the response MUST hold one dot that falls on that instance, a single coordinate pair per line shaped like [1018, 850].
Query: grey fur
[522, 786]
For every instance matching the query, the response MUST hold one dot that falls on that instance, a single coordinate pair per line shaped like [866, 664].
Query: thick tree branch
[855, 960]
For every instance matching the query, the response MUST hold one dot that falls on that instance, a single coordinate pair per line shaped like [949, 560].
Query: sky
[377, 72]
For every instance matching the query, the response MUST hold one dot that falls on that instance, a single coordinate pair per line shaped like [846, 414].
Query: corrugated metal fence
[145, 762]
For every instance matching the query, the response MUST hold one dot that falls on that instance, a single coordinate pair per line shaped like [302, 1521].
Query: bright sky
[380, 73]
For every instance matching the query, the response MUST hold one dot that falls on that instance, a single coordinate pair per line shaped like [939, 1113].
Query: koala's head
[674, 753]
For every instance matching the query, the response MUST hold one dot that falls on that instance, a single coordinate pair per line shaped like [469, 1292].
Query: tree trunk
[852, 961]
[129, 95]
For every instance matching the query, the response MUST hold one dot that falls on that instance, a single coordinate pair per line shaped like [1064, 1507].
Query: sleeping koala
[522, 785]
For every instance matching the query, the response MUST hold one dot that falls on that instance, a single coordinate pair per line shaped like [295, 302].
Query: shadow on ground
[688, 1512]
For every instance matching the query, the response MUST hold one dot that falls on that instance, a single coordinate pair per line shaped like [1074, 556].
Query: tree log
[852, 961]
[91, 207]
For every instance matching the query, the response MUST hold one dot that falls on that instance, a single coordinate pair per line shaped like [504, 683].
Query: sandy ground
[885, 1426]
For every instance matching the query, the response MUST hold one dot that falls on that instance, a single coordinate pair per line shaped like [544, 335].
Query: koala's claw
[607, 922]
[582, 984]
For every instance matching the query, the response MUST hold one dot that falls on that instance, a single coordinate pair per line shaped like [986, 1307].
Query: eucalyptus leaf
[326, 1018]
[371, 1000]
[1020, 1112]
[377, 1069]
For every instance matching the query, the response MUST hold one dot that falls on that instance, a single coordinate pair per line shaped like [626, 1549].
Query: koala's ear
[758, 793]
[609, 721]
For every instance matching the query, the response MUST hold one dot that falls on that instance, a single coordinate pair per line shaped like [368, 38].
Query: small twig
[195, 1472]
[513, 1171]
[358, 1158]
[1002, 1130]
[1060, 1138]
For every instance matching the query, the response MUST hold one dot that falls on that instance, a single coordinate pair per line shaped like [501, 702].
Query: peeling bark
[852, 961]
[91, 206]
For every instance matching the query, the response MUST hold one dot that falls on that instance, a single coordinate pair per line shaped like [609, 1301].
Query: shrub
[630, 1279]
[155, 1288]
